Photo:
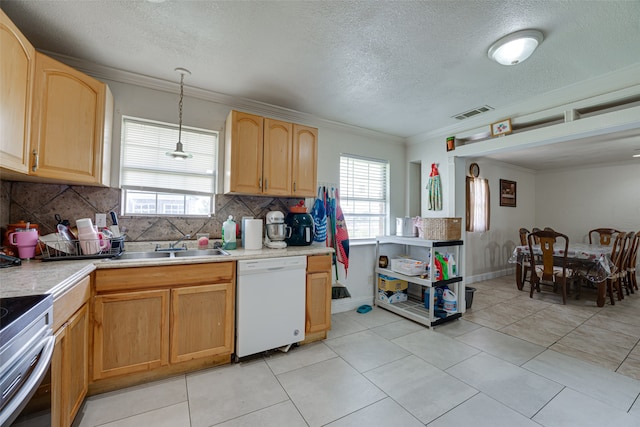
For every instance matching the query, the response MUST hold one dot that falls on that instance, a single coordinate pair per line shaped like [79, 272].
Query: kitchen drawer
[318, 263]
[69, 302]
[113, 280]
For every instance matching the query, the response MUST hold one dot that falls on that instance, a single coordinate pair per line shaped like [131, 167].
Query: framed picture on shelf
[501, 128]
[507, 193]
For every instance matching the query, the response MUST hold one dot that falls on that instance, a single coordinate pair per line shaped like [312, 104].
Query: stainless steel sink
[142, 255]
[201, 252]
[172, 254]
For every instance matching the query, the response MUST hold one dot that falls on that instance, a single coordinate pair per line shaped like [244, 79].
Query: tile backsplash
[38, 204]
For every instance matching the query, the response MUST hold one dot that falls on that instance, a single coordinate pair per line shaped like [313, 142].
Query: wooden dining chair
[526, 265]
[604, 235]
[625, 258]
[549, 268]
[523, 236]
[533, 230]
[614, 282]
[633, 261]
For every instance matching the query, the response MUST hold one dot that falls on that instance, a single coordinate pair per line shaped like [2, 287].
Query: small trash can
[468, 296]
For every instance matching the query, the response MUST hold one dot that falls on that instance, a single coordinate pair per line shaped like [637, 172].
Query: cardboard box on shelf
[386, 283]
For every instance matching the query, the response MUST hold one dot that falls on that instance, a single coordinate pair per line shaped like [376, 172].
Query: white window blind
[147, 171]
[364, 195]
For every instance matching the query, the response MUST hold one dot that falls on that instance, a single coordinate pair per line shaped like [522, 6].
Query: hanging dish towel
[342, 236]
[435, 189]
[330, 206]
[319, 214]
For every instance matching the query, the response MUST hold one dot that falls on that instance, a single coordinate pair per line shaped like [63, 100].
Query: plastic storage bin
[408, 267]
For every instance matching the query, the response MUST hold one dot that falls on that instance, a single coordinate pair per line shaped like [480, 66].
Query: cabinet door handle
[266, 184]
[294, 186]
[260, 183]
[35, 161]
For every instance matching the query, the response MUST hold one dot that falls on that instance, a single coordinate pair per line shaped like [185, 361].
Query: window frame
[345, 199]
[158, 192]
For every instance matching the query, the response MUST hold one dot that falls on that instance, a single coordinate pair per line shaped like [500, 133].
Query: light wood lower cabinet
[131, 332]
[70, 361]
[318, 310]
[199, 321]
[151, 319]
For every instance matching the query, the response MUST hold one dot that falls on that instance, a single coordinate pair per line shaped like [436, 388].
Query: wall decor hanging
[434, 187]
[502, 127]
[507, 193]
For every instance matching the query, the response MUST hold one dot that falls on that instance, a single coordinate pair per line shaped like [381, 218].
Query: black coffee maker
[302, 228]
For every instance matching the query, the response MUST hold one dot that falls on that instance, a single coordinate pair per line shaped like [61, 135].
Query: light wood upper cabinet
[318, 310]
[269, 157]
[305, 161]
[71, 125]
[276, 164]
[17, 68]
[243, 149]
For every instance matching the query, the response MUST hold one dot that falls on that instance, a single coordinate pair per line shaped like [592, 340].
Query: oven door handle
[27, 390]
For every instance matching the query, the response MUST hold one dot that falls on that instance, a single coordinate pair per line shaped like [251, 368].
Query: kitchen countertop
[56, 277]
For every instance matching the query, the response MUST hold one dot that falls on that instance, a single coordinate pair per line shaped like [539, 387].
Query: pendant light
[179, 153]
[515, 47]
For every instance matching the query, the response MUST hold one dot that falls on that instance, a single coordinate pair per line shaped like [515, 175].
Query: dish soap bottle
[229, 233]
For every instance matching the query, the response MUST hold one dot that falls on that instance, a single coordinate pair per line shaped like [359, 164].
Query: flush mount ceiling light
[179, 153]
[514, 48]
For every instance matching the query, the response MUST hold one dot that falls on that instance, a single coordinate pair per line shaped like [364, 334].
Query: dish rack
[60, 250]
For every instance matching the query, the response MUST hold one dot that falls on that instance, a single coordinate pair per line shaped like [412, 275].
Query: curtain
[477, 198]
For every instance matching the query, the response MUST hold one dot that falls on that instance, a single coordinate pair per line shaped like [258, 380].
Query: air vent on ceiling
[473, 112]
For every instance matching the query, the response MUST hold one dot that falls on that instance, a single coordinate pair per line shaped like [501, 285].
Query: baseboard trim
[347, 304]
[487, 276]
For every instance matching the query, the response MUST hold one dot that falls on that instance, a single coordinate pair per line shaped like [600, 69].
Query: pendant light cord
[180, 107]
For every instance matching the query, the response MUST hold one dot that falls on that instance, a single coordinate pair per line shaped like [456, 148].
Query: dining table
[591, 262]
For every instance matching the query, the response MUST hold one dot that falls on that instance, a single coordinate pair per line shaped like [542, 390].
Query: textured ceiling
[401, 68]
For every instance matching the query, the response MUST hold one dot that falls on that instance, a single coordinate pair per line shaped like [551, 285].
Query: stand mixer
[276, 230]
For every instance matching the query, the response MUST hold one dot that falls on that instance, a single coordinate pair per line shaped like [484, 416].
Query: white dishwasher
[270, 305]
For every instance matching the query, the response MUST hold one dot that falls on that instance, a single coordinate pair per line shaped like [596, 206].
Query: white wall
[577, 200]
[487, 252]
[159, 105]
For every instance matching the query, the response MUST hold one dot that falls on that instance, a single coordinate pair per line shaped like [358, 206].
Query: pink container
[26, 241]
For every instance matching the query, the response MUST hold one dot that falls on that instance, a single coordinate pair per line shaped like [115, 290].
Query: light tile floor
[510, 361]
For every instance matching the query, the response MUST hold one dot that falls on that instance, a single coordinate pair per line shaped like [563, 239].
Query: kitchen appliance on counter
[276, 230]
[270, 305]
[302, 229]
[26, 348]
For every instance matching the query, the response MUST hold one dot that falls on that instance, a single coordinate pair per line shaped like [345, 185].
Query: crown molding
[103, 72]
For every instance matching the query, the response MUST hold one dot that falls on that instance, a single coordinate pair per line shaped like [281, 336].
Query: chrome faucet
[172, 246]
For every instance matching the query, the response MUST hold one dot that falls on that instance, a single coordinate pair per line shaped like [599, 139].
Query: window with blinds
[364, 195]
[156, 184]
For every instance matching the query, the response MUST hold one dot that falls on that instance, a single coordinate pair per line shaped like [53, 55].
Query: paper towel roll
[253, 234]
